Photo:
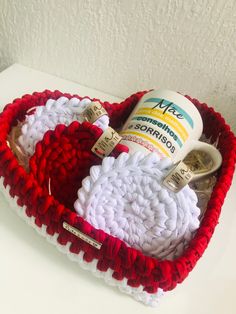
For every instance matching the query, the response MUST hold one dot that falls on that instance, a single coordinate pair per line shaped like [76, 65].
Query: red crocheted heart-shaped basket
[143, 277]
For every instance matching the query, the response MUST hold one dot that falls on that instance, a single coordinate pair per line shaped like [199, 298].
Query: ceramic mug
[169, 124]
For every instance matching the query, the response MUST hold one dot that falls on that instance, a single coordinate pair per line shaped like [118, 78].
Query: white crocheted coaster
[60, 111]
[125, 198]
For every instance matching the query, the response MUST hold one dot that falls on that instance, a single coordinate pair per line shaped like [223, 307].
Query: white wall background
[123, 46]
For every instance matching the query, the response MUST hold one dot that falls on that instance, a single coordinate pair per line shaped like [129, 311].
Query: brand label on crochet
[178, 177]
[106, 143]
[82, 236]
[94, 111]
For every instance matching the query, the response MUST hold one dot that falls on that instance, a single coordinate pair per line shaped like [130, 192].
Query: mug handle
[209, 149]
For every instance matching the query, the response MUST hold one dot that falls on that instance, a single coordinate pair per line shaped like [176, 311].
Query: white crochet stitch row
[125, 198]
[60, 111]
[137, 293]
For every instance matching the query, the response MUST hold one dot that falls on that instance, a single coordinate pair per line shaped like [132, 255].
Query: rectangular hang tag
[94, 111]
[178, 177]
[82, 235]
[106, 143]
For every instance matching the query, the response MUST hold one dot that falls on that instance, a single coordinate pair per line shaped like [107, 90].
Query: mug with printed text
[169, 124]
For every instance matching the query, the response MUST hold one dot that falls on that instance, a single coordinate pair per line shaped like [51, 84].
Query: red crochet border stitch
[126, 262]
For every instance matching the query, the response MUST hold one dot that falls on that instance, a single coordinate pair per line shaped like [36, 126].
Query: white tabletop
[36, 278]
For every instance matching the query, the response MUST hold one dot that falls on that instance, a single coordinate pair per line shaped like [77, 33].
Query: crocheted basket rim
[115, 254]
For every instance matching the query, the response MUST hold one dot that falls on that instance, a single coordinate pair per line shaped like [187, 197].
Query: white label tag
[81, 235]
[106, 143]
[94, 111]
[178, 177]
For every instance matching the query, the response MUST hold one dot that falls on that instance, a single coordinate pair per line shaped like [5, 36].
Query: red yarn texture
[63, 159]
[31, 189]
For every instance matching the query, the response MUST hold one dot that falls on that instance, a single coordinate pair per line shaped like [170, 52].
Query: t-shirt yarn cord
[139, 270]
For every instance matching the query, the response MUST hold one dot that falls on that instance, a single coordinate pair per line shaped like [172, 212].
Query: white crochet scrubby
[125, 198]
[60, 111]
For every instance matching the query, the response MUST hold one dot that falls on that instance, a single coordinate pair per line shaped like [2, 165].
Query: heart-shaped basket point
[45, 194]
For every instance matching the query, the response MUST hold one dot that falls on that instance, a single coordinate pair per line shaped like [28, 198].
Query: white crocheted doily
[60, 111]
[125, 198]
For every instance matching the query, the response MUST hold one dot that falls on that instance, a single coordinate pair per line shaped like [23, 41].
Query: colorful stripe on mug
[174, 106]
[167, 118]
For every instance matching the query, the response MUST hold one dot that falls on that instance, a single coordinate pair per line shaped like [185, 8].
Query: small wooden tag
[106, 143]
[82, 235]
[178, 177]
[94, 111]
